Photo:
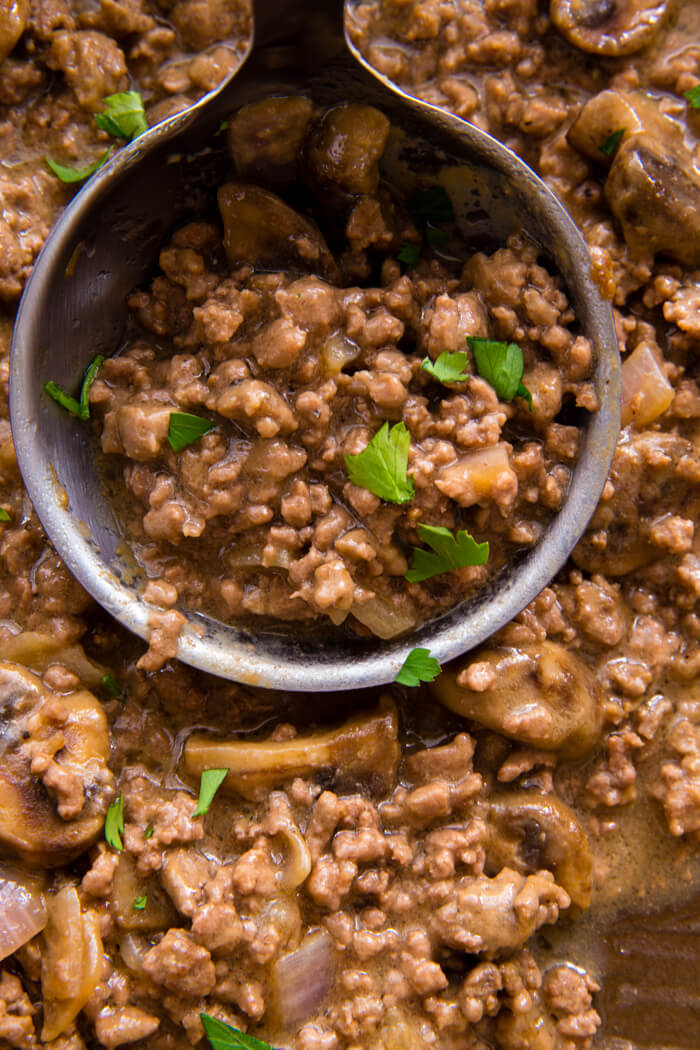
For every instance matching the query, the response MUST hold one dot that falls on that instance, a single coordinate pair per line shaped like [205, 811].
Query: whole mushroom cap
[609, 27]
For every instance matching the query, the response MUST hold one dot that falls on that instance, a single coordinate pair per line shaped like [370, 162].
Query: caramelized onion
[22, 910]
[302, 979]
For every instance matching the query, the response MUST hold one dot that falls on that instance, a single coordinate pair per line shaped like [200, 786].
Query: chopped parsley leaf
[184, 429]
[109, 682]
[692, 95]
[382, 466]
[78, 408]
[4, 516]
[501, 365]
[432, 205]
[419, 666]
[223, 1036]
[409, 253]
[114, 824]
[448, 368]
[209, 783]
[124, 117]
[88, 379]
[148, 833]
[69, 175]
[447, 552]
[612, 142]
[62, 398]
[436, 238]
[140, 902]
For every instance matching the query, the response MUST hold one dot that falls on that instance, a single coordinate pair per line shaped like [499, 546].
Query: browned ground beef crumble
[408, 860]
[259, 517]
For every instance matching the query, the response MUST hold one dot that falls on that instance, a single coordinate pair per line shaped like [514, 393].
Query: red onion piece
[22, 911]
[302, 979]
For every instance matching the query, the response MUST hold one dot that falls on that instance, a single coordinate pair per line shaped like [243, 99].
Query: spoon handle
[311, 24]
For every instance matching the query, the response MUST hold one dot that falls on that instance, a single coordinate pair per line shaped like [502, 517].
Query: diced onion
[22, 910]
[338, 351]
[302, 979]
[383, 618]
[297, 865]
[646, 392]
[132, 948]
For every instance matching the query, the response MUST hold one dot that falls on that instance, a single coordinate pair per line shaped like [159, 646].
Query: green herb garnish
[88, 379]
[78, 408]
[184, 429]
[612, 142]
[419, 666]
[223, 1036]
[448, 368]
[148, 833]
[382, 466]
[432, 205]
[114, 824]
[447, 552]
[692, 95]
[69, 175]
[409, 253]
[140, 902]
[109, 682]
[435, 237]
[62, 398]
[4, 516]
[501, 365]
[124, 117]
[209, 783]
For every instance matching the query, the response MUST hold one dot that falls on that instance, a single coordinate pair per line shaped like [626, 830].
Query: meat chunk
[490, 915]
[180, 965]
[92, 63]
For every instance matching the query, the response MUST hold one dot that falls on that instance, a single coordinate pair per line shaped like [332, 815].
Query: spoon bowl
[107, 243]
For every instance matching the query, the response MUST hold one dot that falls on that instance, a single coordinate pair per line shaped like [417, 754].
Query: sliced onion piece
[302, 979]
[646, 392]
[132, 948]
[382, 617]
[22, 910]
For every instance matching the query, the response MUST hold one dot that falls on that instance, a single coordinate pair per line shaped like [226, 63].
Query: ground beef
[296, 373]
[87, 55]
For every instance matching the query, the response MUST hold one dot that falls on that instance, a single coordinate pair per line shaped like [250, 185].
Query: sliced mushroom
[13, 19]
[541, 695]
[130, 891]
[655, 194]
[529, 831]
[365, 748]
[38, 651]
[345, 147]
[631, 112]
[609, 27]
[71, 962]
[260, 229]
[55, 785]
[265, 138]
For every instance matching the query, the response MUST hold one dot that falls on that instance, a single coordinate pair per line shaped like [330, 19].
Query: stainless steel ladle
[107, 242]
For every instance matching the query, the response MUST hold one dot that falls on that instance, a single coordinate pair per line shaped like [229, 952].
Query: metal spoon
[107, 242]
